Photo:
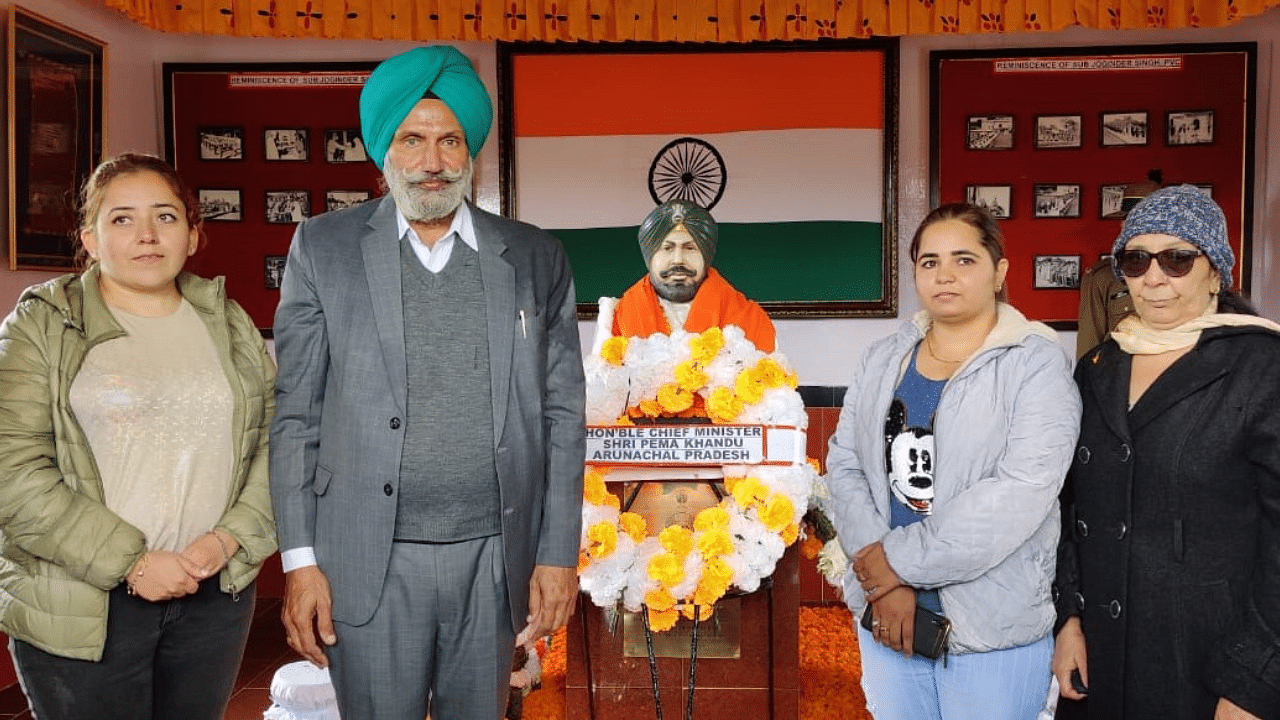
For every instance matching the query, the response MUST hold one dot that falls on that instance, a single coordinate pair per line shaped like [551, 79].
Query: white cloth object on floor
[302, 691]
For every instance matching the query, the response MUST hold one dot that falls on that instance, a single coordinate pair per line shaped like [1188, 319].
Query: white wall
[821, 350]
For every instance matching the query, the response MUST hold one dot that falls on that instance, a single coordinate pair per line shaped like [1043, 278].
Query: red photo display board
[264, 146]
[1049, 139]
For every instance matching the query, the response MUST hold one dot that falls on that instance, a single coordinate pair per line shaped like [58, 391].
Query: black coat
[1171, 545]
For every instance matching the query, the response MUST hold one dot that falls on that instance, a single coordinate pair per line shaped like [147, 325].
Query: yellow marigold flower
[770, 373]
[602, 539]
[793, 380]
[650, 408]
[676, 540]
[750, 491]
[708, 593]
[706, 346]
[614, 350]
[717, 570]
[662, 620]
[690, 376]
[596, 492]
[790, 533]
[723, 406]
[704, 611]
[584, 561]
[730, 483]
[666, 568]
[713, 518]
[715, 542]
[674, 398]
[748, 387]
[633, 525]
[659, 599]
[625, 421]
[777, 513]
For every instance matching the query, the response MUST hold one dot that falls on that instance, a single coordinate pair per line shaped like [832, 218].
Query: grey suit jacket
[341, 396]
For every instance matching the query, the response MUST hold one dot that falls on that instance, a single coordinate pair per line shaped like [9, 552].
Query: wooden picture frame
[1098, 83]
[1056, 200]
[585, 157]
[1057, 272]
[1188, 127]
[221, 204]
[221, 144]
[997, 199]
[1111, 201]
[230, 101]
[1059, 132]
[1124, 128]
[57, 100]
[989, 132]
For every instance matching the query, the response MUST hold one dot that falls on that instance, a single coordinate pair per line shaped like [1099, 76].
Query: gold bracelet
[138, 570]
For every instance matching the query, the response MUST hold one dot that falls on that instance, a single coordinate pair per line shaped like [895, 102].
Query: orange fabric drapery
[668, 20]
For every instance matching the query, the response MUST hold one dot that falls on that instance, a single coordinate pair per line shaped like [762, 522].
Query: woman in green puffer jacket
[135, 400]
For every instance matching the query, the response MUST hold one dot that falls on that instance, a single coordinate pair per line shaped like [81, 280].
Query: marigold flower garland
[721, 375]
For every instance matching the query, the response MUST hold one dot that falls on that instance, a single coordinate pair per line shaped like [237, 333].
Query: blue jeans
[162, 661]
[998, 685]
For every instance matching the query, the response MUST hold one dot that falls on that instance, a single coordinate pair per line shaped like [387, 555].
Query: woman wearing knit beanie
[1168, 579]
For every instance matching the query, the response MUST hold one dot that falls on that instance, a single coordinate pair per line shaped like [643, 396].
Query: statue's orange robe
[639, 314]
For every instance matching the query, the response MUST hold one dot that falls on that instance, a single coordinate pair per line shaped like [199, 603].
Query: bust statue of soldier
[682, 289]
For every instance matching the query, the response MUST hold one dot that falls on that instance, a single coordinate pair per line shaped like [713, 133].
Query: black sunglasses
[1173, 262]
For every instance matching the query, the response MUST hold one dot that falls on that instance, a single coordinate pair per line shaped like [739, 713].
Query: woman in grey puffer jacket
[944, 473]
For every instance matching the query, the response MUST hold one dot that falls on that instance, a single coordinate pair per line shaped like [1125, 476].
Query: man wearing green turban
[682, 290]
[426, 454]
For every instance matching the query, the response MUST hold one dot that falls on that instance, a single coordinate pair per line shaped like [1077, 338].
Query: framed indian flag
[789, 145]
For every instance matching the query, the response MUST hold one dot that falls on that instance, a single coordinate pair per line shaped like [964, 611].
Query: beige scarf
[1137, 338]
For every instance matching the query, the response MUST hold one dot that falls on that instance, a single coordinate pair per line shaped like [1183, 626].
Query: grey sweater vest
[448, 477]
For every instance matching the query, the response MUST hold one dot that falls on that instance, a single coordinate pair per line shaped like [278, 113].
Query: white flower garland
[736, 543]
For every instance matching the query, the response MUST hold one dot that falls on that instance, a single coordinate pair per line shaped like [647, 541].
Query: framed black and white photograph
[1189, 127]
[1057, 272]
[342, 199]
[990, 132]
[1057, 200]
[1111, 202]
[1058, 131]
[1118, 129]
[273, 271]
[288, 144]
[344, 146]
[288, 206]
[220, 205]
[221, 143]
[996, 199]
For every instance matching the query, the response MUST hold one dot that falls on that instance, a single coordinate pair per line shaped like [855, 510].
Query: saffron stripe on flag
[695, 93]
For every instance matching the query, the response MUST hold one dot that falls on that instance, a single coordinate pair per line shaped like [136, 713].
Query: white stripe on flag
[602, 181]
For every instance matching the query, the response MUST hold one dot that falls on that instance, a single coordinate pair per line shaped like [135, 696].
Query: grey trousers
[439, 642]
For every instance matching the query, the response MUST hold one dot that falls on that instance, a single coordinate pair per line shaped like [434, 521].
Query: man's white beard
[419, 205]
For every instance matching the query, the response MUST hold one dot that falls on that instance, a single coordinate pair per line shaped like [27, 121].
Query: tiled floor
[266, 652]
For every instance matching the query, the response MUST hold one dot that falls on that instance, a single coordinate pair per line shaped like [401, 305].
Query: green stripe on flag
[782, 261]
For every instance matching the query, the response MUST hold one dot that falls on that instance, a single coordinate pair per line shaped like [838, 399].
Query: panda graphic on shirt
[909, 459]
